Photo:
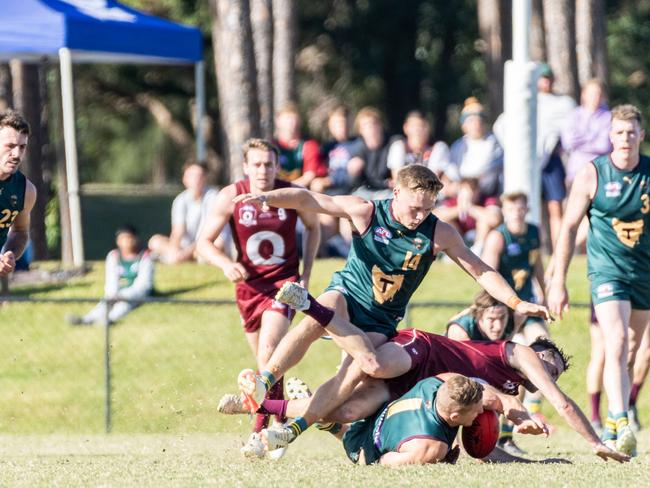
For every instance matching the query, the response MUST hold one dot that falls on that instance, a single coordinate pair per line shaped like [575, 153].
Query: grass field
[171, 363]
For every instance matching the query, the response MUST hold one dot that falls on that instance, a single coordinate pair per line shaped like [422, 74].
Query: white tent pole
[199, 80]
[71, 164]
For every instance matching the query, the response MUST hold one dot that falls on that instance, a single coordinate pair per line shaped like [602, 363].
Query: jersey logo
[513, 249]
[382, 235]
[385, 286]
[265, 248]
[248, 215]
[13, 199]
[613, 189]
[628, 233]
[519, 276]
[511, 387]
[605, 290]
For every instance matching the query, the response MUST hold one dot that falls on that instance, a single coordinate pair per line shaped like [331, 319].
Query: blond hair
[368, 113]
[482, 301]
[416, 177]
[261, 144]
[626, 112]
[459, 392]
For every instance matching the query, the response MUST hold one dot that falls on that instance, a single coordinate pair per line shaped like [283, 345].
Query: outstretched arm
[416, 451]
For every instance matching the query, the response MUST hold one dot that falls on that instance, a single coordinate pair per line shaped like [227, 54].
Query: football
[481, 437]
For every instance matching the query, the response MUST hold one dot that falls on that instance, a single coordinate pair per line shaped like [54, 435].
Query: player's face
[338, 126]
[626, 137]
[468, 414]
[126, 242]
[261, 168]
[410, 208]
[514, 212]
[194, 178]
[12, 150]
[552, 363]
[493, 322]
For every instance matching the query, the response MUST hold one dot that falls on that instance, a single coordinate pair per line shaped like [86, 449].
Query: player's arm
[538, 274]
[526, 361]
[310, 243]
[456, 332]
[422, 450]
[356, 209]
[217, 219]
[448, 240]
[582, 192]
[18, 233]
[492, 249]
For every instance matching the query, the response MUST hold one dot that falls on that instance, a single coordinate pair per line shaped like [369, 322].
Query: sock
[261, 422]
[506, 430]
[609, 430]
[595, 406]
[634, 393]
[277, 393]
[299, 425]
[318, 312]
[274, 407]
[621, 420]
[331, 427]
[533, 405]
[268, 379]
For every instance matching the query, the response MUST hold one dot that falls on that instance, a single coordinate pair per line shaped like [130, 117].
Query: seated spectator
[129, 276]
[188, 212]
[472, 213]
[415, 148]
[477, 154]
[300, 159]
[586, 132]
[369, 165]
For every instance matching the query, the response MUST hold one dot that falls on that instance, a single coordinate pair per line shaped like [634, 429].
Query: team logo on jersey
[382, 235]
[613, 189]
[418, 243]
[13, 199]
[628, 233]
[511, 387]
[248, 215]
[605, 290]
[513, 249]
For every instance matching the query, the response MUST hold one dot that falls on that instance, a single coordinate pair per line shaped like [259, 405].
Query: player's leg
[639, 375]
[595, 373]
[119, 310]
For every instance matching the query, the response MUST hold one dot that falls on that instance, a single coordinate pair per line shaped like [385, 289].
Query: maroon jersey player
[265, 239]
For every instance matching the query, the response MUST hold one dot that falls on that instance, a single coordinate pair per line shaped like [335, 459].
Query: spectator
[369, 166]
[586, 133]
[188, 212]
[300, 159]
[477, 154]
[129, 276]
[552, 114]
[415, 148]
[472, 213]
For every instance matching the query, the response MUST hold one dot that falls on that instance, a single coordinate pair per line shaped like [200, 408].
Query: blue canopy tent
[96, 31]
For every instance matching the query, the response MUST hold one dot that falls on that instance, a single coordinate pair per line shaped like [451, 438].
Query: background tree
[559, 21]
[262, 25]
[591, 45]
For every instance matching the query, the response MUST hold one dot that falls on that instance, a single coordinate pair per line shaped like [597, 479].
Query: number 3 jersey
[12, 201]
[265, 239]
[618, 245]
[386, 264]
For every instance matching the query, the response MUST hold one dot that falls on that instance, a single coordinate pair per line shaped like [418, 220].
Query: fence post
[107, 367]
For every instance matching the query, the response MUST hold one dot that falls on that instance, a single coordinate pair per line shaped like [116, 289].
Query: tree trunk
[591, 41]
[27, 98]
[262, 24]
[236, 72]
[537, 37]
[559, 19]
[495, 26]
[6, 95]
[285, 36]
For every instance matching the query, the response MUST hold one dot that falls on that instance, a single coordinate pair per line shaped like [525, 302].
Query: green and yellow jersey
[517, 261]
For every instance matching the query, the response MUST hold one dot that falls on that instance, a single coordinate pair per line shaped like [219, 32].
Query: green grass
[171, 363]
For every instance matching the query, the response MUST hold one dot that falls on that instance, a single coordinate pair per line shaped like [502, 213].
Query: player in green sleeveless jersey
[395, 242]
[17, 193]
[614, 191]
[487, 319]
[419, 427]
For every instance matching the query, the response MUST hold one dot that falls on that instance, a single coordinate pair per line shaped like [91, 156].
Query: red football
[481, 437]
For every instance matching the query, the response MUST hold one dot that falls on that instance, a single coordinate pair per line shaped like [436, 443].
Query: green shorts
[359, 437]
[368, 321]
[604, 288]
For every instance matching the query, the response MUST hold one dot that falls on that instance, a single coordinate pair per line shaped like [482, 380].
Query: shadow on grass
[171, 292]
[24, 291]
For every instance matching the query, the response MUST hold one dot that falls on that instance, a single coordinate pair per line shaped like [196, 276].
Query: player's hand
[557, 298]
[604, 452]
[7, 263]
[533, 310]
[257, 199]
[235, 272]
[531, 426]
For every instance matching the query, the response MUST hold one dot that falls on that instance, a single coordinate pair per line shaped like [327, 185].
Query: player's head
[14, 132]
[417, 129]
[195, 176]
[514, 207]
[414, 195]
[126, 238]
[492, 316]
[592, 94]
[472, 118]
[338, 123]
[459, 400]
[287, 122]
[369, 125]
[625, 132]
[260, 163]
[545, 80]
[553, 358]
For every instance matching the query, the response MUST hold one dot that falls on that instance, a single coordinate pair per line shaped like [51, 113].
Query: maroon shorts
[418, 348]
[252, 303]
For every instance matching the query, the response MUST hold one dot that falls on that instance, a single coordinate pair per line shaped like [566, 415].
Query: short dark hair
[12, 118]
[192, 162]
[514, 196]
[545, 344]
[126, 229]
